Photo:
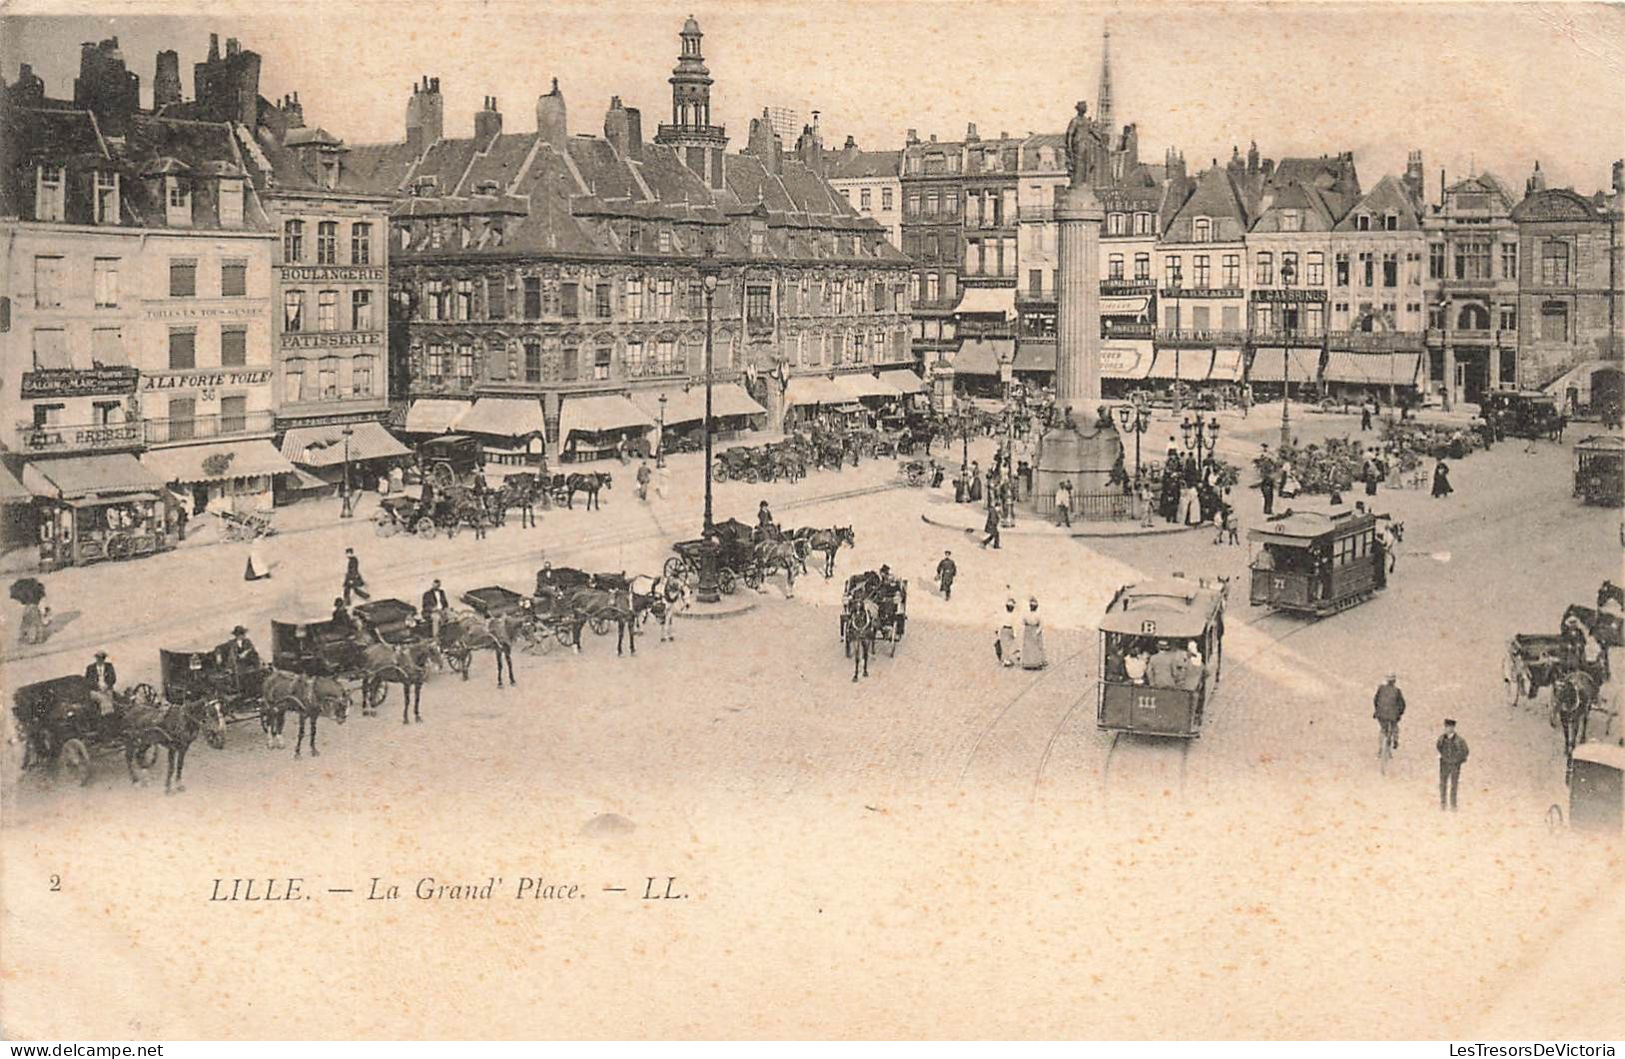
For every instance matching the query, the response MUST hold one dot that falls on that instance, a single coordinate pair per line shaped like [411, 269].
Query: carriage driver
[341, 614]
[102, 676]
[434, 607]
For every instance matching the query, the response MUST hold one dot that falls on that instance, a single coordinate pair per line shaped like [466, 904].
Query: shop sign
[76, 382]
[1293, 295]
[324, 339]
[236, 309]
[71, 439]
[331, 274]
[203, 380]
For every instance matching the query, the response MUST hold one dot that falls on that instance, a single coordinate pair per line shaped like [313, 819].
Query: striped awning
[905, 381]
[1226, 366]
[1186, 365]
[1398, 369]
[504, 417]
[869, 386]
[599, 414]
[815, 389]
[239, 459]
[431, 415]
[323, 446]
[11, 490]
[1271, 362]
[1126, 360]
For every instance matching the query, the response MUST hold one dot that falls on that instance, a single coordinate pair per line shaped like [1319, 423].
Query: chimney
[1441, 186]
[106, 87]
[214, 48]
[1267, 168]
[1536, 181]
[166, 80]
[933, 137]
[1619, 174]
[1252, 157]
[232, 47]
[1412, 180]
[810, 150]
[623, 128]
[425, 115]
[970, 132]
[763, 143]
[551, 125]
[851, 143]
[487, 123]
[912, 138]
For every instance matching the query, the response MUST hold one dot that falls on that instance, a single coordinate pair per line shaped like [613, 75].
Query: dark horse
[173, 728]
[1610, 591]
[860, 622]
[1573, 695]
[465, 634]
[828, 541]
[406, 665]
[589, 483]
[311, 696]
[598, 605]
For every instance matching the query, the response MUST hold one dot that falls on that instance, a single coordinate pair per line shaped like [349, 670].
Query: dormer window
[425, 187]
[1362, 222]
[49, 192]
[231, 202]
[1202, 230]
[1390, 222]
[1291, 221]
[107, 205]
[486, 187]
[665, 241]
[178, 199]
[330, 173]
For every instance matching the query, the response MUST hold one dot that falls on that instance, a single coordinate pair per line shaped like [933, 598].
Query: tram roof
[1300, 529]
[1175, 607]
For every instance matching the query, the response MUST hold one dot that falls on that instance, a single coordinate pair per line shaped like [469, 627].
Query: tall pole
[1286, 378]
[710, 296]
[347, 506]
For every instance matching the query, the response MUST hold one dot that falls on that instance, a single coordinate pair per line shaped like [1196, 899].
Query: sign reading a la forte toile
[323, 339]
[203, 380]
[74, 382]
[332, 274]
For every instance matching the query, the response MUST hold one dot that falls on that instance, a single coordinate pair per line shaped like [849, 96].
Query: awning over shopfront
[432, 415]
[1398, 369]
[905, 381]
[11, 490]
[816, 389]
[504, 417]
[600, 414]
[991, 300]
[1130, 307]
[75, 476]
[1035, 355]
[199, 463]
[981, 356]
[1270, 362]
[1226, 366]
[1126, 360]
[323, 446]
[1186, 365]
[869, 386]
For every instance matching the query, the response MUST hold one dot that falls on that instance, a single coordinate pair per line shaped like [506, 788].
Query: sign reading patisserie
[324, 339]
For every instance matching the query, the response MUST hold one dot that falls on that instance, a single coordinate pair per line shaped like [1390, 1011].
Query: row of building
[210, 302]
[1276, 274]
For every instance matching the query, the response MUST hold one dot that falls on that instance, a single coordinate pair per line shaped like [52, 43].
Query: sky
[1474, 86]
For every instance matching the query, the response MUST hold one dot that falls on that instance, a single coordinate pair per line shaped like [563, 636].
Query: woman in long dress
[35, 626]
[1005, 645]
[257, 569]
[1441, 480]
[1032, 638]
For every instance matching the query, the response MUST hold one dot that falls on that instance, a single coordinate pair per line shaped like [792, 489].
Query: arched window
[1202, 230]
[1473, 318]
[1116, 223]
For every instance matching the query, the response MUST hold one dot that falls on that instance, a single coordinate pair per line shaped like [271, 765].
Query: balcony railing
[1277, 337]
[1471, 336]
[1034, 297]
[196, 428]
[1199, 336]
[1110, 328]
[1374, 341]
[59, 438]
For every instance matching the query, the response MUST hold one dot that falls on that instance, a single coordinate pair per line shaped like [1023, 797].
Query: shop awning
[1398, 369]
[504, 417]
[197, 463]
[82, 475]
[600, 414]
[1270, 362]
[992, 300]
[905, 381]
[11, 490]
[981, 356]
[730, 399]
[431, 415]
[1186, 365]
[1125, 360]
[323, 446]
[1226, 366]
[680, 407]
[868, 386]
[1035, 355]
[815, 389]
[1133, 307]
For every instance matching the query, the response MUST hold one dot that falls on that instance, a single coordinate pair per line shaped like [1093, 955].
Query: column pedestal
[1078, 216]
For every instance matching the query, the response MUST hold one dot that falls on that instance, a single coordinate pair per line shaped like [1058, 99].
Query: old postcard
[974, 520]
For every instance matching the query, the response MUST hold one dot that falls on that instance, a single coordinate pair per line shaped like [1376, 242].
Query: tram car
[1314, 563]
[1599, 470]
[451, 459]
[1597, 787]
[1161, 646]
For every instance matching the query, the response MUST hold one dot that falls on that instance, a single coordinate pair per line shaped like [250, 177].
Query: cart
[62, 727]
[544, 626]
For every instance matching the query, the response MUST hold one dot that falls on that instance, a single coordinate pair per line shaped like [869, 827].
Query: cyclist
[1389, 705]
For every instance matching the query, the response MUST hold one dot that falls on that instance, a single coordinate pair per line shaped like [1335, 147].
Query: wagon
[1596, 788]
[61, 726]
[1599, 470]
[325, 649]
[451, 459]
[891, 607]
[544, 626]
[1535, 661]
[189, 675]
[1160, 620]
[402, 514]
[735, 558]
[1317, 564]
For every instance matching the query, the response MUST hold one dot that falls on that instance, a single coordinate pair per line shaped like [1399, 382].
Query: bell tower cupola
[699, 144]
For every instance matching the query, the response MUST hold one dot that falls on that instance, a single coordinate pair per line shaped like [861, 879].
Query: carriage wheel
[74, 758]
[753, 576]
[424, 528]
[377, 693]
[461, 660]
[384, 524]
[564, 635]
[600, 626]
[675, 568]
[1514, 688]
[148, 757]
[118, 546]
[440, 474]
[727, 581]
[1554, 818]
[719, 471]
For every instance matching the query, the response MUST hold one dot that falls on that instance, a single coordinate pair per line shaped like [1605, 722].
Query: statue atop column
[1085, 148]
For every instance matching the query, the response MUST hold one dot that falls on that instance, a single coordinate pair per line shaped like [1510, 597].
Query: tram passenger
[1134, 664]
[1164, 668]
[1192, 676]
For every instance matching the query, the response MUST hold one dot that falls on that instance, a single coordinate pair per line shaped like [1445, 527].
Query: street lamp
[1135, 418]
[347, 496]
[708, 590]
[1198, 436]
[660, 438]
[1286, 378]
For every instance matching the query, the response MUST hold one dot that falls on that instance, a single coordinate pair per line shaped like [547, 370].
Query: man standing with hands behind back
[1452, 753]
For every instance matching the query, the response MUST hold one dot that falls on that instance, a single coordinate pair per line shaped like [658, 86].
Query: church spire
[1103, 101]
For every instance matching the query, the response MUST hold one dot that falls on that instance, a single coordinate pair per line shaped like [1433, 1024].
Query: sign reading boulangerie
[204, 380]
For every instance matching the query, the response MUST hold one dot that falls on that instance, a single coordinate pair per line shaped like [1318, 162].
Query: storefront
[976, 365]
[1124, 366]
[680, 418]
[319, 453]
[90, 508]
[512, 430]
[1358, 375]
[592, 426]
[433, 415]
[16, 512]
[1273, 366]
[236, 476]
[811, 398]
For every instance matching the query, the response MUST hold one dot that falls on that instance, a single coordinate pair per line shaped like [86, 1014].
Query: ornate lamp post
[347, 502]
[1135, 419]
[708, 590]
[1200, 437]
[660, 439]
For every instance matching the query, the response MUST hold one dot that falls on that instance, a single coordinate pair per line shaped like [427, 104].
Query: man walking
[1389, 706]
[992, 528]
[1452, 753]
[434, 608]
[354, 583]
[644, 474]
[1266, 480]
[946, 572]
[1365, 415]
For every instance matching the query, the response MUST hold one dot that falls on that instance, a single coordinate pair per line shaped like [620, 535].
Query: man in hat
[434, 607]
[102, 676]
[1388, 706]
[947, 570]
[241, 656]
[353, 581]
[341, 615]
[1452, 753]
[991, 526]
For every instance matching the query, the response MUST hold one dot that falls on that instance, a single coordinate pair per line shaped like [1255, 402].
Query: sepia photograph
[978, 520]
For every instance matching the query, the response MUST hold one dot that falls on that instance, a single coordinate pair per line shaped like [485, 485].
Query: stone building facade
[1472, 289]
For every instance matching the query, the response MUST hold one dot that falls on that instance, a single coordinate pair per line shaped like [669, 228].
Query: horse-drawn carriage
[761, 463]
[185, 676]
[736, 558]
[545, 623]
[1574, 663]
[450, 460]
[1319, 564]
[1161, 646]
[1599, 470]
[874, 607]
[447, 511]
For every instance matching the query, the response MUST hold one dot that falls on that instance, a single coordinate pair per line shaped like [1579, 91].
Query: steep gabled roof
[1388, 196]
[858, 165]
[1215, 196]
[1313, 213]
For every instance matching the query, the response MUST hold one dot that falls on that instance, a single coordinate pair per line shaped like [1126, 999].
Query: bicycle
[1388, 736]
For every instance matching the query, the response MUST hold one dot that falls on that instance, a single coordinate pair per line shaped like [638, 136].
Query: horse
[1610, 591]
[673, 600]
[406, 665]
[772, 556]
[497, 634]
[587, 603]
[1573, 695]
[589, 483]
[860, 624]
[828, 541]
[311, 696]
[173, 728]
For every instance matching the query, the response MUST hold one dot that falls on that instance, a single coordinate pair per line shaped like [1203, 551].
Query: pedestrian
[1148, 509]
[1004, 636]
[1365, 416]
[354, 583]
[1441, 480]
[1368, 471]
[1024, 471]
[35, 626]
[959, 487]
[991, 526]
[434, 607]
[1032, 638]
[643, 476]
[1452, 750]
[1266, 480]
[1388, 706]
[974, 485]
[257, 569]
[936, 475]
[182, 517]
[1063, 503]
[620, 450]
[947, 570]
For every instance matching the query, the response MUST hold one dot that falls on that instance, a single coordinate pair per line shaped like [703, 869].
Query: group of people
[1157, 663]
[1189, 494]
[1388, 707]
[1030, 654]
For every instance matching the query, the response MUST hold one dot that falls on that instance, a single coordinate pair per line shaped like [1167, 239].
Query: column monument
[1080, 445]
